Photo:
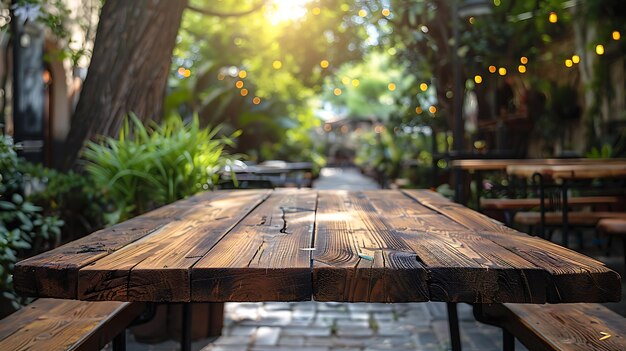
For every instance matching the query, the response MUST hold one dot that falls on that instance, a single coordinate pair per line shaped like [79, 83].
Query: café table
[327, 245]
[477, 167]
[564, 175]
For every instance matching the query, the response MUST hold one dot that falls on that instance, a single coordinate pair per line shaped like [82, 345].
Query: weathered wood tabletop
[289, 245]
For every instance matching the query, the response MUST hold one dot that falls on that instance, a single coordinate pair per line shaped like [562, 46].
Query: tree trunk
[128, 71]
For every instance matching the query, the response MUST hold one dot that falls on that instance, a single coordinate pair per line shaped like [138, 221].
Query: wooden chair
[572, 327]
[49, 324]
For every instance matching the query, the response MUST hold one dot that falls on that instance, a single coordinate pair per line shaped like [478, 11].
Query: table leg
[119, 342]
[453, 323]
[537, 179]
[508, 341]
[185, 340]
[565, 214]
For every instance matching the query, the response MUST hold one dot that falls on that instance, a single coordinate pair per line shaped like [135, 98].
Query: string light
[362, 13]
[355, 82]
[345, 80]
[239, 84]
[181, 71]
[478, 79]
[324, 63]
[568, 63]
[502, 71]
[316, 11]
[472, 20]
[243, 74]
[243, 92]
[337, 91]
[616, 35]
[277, 64]
[418, 110]
[600, 49]
[432, 110]
[523, 60]
[576, 59]
[492, 69]
[386, 12]
[553, 18]
[423, 87]
[187, 73]
[521, 69]
[391, 86]
[256, 100]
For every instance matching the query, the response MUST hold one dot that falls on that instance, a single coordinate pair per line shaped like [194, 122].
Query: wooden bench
[574, 218]
[521, 204]
[614, 227]
[572, 327]
[50, 324]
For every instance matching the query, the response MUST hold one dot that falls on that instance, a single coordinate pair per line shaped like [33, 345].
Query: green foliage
[23, 227]
[149, 167]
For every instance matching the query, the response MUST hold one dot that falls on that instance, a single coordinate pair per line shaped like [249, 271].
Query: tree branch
[209, 12]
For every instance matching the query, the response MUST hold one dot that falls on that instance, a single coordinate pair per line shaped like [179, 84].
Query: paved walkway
[318, 326]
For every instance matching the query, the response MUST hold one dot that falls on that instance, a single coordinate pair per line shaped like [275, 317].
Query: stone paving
[319, 326]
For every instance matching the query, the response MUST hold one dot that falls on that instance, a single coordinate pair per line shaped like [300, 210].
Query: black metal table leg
[565, 214]
[185, 340]
[508, 341]
[453, 323]
[119, 342]
[537, 179]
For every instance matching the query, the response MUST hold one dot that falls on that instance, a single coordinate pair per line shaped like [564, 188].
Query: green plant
[150, 166]
[24, 229]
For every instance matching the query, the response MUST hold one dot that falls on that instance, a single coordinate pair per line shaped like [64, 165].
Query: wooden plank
[582, 218]
[55, 273]
[575, 327]
[462, 266]
[459, 213]
[266, 257]
[49, 324]
[514, 204]
[574, 171]
[157, 267]
[573, 277]
[358, 257]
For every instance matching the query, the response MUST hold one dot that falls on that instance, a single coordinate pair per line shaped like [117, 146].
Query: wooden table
[565, 173]
[298, 244]
[263, 245]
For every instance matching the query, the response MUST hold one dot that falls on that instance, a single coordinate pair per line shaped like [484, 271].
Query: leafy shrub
[148, 167]
[24, 229]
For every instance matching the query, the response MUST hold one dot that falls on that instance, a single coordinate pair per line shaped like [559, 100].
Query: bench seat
[574, 218]
[572, 327]
[50, 324]
[521, 204]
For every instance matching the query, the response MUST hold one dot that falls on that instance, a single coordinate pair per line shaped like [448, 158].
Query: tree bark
[128, 71]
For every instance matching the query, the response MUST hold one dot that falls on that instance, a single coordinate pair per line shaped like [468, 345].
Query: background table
[290, 245]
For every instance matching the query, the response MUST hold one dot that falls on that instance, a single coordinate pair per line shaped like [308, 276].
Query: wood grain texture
[572, 327]
[55, 273]
[157, 267]
[573, 277]
[49, 324]
[462, 266]
[255, 245]
[266, 257]
[359, 257]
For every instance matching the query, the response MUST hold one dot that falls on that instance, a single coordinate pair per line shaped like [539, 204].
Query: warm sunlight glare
[286, 10]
